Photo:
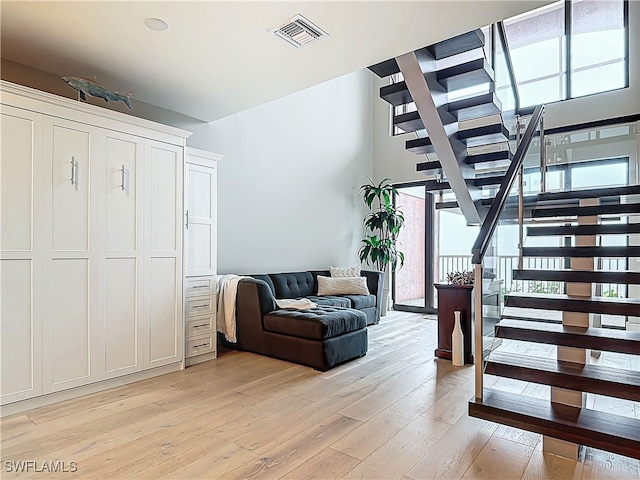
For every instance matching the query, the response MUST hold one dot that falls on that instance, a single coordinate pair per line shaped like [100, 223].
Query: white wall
[288, 185]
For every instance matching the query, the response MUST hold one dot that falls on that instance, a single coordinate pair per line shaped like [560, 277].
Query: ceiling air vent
[299, 31]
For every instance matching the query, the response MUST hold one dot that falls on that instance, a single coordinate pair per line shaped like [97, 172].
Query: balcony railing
[505, 264]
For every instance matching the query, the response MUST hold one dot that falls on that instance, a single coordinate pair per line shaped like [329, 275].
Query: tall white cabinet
[200, 255]
[91, 252]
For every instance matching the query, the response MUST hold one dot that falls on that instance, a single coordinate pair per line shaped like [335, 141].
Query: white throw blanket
[300, 304]
[227, 287]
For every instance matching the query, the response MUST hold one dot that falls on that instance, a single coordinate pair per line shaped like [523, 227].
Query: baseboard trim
[51, 398]
[199, 359]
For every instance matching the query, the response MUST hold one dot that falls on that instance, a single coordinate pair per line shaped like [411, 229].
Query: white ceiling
[218, 58]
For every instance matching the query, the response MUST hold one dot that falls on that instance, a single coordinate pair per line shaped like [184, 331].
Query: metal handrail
[502, 35]
[491, 220]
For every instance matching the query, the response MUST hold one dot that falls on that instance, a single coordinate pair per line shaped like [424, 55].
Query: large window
[569, 49]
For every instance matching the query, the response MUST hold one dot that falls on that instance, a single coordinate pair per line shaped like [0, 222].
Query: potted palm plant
[382, 225]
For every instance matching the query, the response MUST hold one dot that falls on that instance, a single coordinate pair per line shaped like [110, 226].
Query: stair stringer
[450, 151]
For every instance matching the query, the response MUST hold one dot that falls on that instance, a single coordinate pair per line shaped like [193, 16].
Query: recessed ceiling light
[156, 24]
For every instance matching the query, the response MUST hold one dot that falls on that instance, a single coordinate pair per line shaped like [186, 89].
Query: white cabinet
[200, 192]
[123, 208]
[21, 254]
[70, 259]
[91, 252]
[163, 252]
[200, 255]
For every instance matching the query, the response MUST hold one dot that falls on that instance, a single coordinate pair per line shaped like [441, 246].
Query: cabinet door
[200, 235]
[122, 254]
[163, 252]
[73, 157]
[21, 254]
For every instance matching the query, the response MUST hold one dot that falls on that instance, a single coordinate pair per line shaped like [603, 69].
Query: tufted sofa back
[293, 285]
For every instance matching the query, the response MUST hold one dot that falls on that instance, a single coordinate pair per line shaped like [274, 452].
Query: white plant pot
[385, 302]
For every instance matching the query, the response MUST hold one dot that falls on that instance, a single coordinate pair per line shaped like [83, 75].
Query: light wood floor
[395, 414]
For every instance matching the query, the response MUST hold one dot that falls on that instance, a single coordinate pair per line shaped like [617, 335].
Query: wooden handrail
[491, 220]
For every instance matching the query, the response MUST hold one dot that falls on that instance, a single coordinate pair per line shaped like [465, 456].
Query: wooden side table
[450, 299]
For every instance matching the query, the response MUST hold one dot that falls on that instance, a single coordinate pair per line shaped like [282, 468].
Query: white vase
[457, 342]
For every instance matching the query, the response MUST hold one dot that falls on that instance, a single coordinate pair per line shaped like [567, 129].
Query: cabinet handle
[201, 345]
[202, 325]
[122, 183]
[200, 286]
[206, 305]
[74, 166]
[187, 224]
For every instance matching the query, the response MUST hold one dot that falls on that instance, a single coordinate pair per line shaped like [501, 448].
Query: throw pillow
[342, 286]
[344, 272]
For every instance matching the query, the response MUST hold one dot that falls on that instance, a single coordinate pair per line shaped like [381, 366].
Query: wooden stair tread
[547, 301]
[563, 230]
[487, 181]
[419, 146]
[435, 186]
[484, 135]
[409, 122]
[396, 94]
[620, 341]
[475, 107]
[430, 168]
[582, 251]
[386, 68]
[586, 211]
[490, 160]
[591, 193]
[578, 276]
[468, 74]
[596, 379]
[446, 205]
[456, 45]
[601, 430]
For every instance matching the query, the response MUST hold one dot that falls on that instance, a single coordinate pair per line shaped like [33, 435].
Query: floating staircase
[469, 136]
[476, 148]
[566, 219]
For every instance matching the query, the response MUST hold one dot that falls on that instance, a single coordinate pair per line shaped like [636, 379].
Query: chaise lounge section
[330, 334]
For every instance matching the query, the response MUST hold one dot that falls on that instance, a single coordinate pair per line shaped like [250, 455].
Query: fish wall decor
[92, 88]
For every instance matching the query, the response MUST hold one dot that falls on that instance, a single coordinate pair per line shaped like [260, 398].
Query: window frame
[568, 73]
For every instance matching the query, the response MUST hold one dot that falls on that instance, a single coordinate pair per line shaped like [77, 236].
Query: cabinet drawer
[198, 346]
[200, 325]
[199, 306]
[199, 286]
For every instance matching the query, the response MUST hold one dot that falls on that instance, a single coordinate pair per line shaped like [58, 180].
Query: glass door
[412, 283]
